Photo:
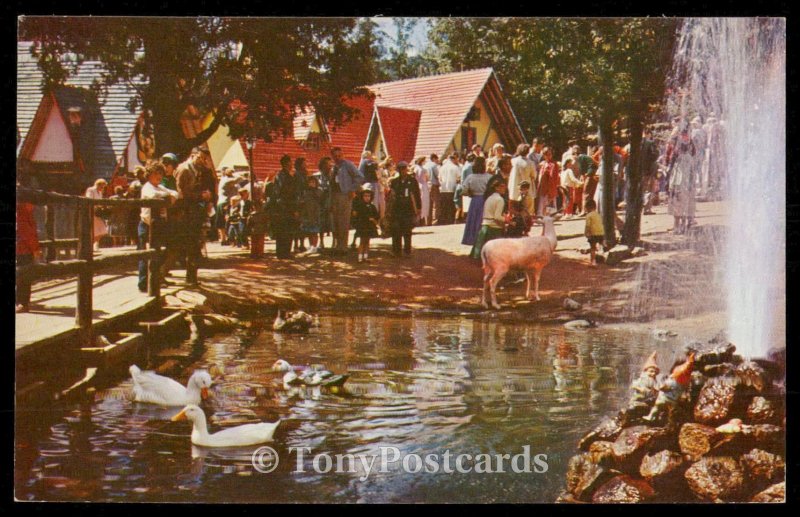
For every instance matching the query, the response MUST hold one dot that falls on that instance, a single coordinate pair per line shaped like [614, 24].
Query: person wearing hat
[403, 208]
[169, 161]
[365, 220]
[494, 219]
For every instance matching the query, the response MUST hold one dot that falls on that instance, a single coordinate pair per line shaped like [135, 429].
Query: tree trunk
[161, 95]
[606, 134]
[633, 188]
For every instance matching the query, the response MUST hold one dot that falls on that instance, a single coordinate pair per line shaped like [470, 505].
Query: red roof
[399, 129]
[417, 116]
[267, 155]
[444, 100]
[350, 136]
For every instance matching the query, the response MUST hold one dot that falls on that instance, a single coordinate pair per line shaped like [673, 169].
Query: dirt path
[677, 275]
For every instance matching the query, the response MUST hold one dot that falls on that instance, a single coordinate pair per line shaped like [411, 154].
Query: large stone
[607, 430]
[774, 494]
[697, 440]
[715, 400]
[761, 411]
[762, 466]
[602, 452]
[765, 436]
[753, 375]
[567, 498]
[623, 489]
[715, 478]
[584, 476]
[718, 355]
[633, 443]
[661, 465]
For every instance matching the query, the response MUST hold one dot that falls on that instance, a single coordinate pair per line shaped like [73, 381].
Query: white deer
[530, 254]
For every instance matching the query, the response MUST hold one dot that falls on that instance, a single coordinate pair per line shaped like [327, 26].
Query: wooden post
[153, 273]
[50, 230]
[83, 315]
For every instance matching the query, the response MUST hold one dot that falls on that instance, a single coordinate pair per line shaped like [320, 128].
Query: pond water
[423, 385]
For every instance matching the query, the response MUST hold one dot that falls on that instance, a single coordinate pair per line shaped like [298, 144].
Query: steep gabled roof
[114, 123]
[444, 100]
[399, 128]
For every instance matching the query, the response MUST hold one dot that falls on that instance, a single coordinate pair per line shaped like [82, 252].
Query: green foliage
[561, 74]
[270, 66]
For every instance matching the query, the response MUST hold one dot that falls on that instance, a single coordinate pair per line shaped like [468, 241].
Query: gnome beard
[673, 388]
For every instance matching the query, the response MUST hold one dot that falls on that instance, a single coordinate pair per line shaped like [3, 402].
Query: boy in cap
[365, 220]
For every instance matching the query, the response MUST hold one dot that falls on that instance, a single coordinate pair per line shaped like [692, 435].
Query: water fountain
[729, 81]
[732, 73]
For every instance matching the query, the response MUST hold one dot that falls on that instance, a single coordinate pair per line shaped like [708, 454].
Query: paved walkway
[438, 275]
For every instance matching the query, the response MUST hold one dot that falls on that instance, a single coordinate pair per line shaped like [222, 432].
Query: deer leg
[498, 275]
[530, 281]
[486, 278]
[536, 274]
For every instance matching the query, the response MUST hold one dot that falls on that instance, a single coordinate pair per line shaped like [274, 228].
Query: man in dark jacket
[403, 208]
[285, 208]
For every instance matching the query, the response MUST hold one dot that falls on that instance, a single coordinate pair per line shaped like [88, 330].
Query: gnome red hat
[683, 372]
[651, 362]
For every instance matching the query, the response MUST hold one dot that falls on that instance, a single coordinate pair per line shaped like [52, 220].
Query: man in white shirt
[522, 169]
[432, 165]
[152, 220]
[449, 178]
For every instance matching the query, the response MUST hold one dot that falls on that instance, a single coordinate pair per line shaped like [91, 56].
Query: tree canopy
[251, 74]
[560, 74]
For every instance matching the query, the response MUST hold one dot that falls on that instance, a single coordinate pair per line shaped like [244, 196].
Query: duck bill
[203, 393]
[179, 416]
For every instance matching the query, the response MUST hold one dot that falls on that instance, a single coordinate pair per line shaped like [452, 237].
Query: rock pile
[722, 440]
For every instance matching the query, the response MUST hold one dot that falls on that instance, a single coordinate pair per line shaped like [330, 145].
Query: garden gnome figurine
[673, 388]
[644, 389]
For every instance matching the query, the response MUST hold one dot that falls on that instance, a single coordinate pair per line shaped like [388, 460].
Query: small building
[405, 119]
[441, 114]
[70, 135]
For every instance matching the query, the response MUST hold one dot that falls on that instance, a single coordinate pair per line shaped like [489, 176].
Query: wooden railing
[85, 266]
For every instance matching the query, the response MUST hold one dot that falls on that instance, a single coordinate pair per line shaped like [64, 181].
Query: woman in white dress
[681, 160]
[99, 228]
[424, 189]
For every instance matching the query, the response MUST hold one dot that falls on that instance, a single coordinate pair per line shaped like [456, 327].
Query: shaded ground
[677, 279]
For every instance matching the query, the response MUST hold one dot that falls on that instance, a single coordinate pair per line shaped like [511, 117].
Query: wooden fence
[85, 266]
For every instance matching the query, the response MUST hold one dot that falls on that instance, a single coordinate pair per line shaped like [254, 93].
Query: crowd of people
[495, 193]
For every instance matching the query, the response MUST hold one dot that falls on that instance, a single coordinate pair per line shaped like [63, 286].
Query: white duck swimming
[247, 434]
[314, 376]
[156, 389]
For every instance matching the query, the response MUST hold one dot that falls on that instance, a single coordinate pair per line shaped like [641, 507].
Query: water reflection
[419, 384]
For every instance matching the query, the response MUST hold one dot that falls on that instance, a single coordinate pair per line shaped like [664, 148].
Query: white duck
[247, 434]
[156, 389]
[314, 376]
[279, 322]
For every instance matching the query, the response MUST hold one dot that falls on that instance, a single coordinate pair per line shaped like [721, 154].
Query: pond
[419, 385]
